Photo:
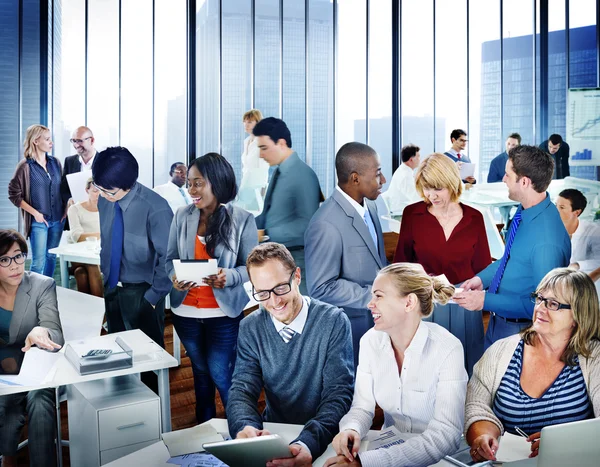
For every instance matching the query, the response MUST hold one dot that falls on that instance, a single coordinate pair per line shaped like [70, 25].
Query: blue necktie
[116, 247]
[183, 194]
[495, 284]
[371, 226]
[269, 195]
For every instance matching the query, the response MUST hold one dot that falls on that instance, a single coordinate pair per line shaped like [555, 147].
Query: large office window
[583, 53]
[267, 57]
[557, 69]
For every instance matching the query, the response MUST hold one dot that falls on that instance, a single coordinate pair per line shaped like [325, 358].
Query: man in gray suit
[344, 241]
[293, 195]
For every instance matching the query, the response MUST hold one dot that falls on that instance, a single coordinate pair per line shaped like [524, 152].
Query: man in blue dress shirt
[537, 242]
[134, 231]
[498, 164]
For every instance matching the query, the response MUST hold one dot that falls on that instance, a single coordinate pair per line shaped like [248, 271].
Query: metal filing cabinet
[110, 418]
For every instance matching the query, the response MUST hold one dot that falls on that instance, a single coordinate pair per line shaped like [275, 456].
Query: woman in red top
[446, 237]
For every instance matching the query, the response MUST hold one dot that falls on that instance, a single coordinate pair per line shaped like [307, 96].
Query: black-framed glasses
[549, 303]
[79, 141]
[6, 261]
[278, 290]
[106, 192]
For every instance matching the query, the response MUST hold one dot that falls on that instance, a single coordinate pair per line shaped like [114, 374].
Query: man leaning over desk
[299, 350]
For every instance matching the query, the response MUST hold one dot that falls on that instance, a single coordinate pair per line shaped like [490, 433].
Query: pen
[521, 432]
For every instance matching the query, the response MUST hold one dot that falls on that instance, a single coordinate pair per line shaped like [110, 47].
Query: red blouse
[422, 240]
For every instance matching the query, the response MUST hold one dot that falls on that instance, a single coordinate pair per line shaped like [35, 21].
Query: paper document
[190, 440]
[197, 459]
[37, 368]
[77, 183]
[195, 270]
[467, 170]
[387, 438]
[513, 448]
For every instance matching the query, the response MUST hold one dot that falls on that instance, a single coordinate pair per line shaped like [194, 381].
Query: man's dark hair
[8, 237]
[219, 173]
[275, 129]
[576, 197]
[457, 134]
[270, 251]
[533, 163]
[352, 157]
[408, 151]
[174, 166]
[556, 139]
[516, 136]
[115, 167]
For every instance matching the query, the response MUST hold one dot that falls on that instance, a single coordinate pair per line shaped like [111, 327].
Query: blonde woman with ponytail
[412, 369]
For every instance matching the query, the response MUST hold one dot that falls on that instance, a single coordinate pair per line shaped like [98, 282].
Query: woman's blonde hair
[253, 114]
[88, 183]
[411, 278]
[439, 171]
[579, 291]
[31, 136]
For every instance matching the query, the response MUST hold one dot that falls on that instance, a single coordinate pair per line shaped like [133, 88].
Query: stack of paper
[37, 368]
[513, 448]
[190, 440]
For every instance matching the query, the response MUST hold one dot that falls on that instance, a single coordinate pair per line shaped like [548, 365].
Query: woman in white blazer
[28, 317]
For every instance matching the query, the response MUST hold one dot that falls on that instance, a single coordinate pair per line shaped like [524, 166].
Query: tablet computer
[249, 452]
[11, 359]
[194, 270]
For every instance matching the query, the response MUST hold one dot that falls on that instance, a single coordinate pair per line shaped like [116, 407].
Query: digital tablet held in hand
[194, 270]
[249, 452]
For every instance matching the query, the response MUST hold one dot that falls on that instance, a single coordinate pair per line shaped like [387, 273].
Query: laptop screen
[11, 359]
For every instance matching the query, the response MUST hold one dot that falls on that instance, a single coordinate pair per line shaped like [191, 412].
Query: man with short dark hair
[344, 241]
[498, 164]
[293, 194]
[173, 191]
[134, 231]
[458, 138]
[299, 350]
[402, 190]
[559, 150]
[537, 242]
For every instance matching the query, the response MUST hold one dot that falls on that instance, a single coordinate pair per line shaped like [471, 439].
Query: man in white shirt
[458, 138]
[83, 141]
[174, 191]
[585, 235]
[402, 190]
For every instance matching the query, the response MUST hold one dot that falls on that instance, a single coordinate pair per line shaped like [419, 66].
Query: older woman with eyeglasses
[28, 317]
[547, 375]
[207, 319]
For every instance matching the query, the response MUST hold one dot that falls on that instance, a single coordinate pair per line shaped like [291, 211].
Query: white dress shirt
[402, 190]
[173, 195]
[360, 209]
[299, 321]
[585, 247]
[427, 397]
[87, 166]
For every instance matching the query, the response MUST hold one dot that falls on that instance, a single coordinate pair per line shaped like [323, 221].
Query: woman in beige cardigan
[547, 375]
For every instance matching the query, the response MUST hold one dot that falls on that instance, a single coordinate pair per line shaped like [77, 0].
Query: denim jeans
[43, 238]
[211, 344]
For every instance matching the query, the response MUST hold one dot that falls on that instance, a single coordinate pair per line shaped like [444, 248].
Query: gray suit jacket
[35, 305]
[341, 259]
[244, 237]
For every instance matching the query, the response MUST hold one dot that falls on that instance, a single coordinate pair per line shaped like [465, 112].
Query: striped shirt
[45, 188]
[566, 400]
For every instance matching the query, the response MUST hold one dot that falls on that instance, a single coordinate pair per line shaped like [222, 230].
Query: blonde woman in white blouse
[84, 222]
[414, 370]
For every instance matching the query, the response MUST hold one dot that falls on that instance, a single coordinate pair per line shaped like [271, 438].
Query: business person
[344, 241]
[35, 189]
[547, 374]
[293, 194]
[83, 142]
[207, 319]
[412, 369]
[28, 317]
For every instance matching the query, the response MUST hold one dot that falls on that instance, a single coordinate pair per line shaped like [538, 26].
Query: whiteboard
[583, 126]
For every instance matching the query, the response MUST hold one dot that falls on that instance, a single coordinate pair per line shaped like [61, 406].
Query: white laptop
[574, 444]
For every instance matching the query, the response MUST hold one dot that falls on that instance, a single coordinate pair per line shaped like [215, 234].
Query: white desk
[157, 455]
[74, 252]
[66, 374]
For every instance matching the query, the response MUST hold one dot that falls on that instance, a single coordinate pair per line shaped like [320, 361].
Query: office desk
[65, 373]
[76, 253]
[157, 455]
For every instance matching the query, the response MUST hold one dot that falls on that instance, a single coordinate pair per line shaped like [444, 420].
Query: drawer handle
[131, 425]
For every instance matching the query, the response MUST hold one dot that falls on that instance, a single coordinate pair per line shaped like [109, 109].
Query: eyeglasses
[177, 171]
[109, 193]
[6, 261]
[78, 141]
[549, 303]
[278, 290]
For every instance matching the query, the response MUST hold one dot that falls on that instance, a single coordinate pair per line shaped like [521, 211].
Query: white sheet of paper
[38, 366]
[513, 448]
[467, 170]
[190, 440]
[387, 438]
[195, 271]
[77, 183]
